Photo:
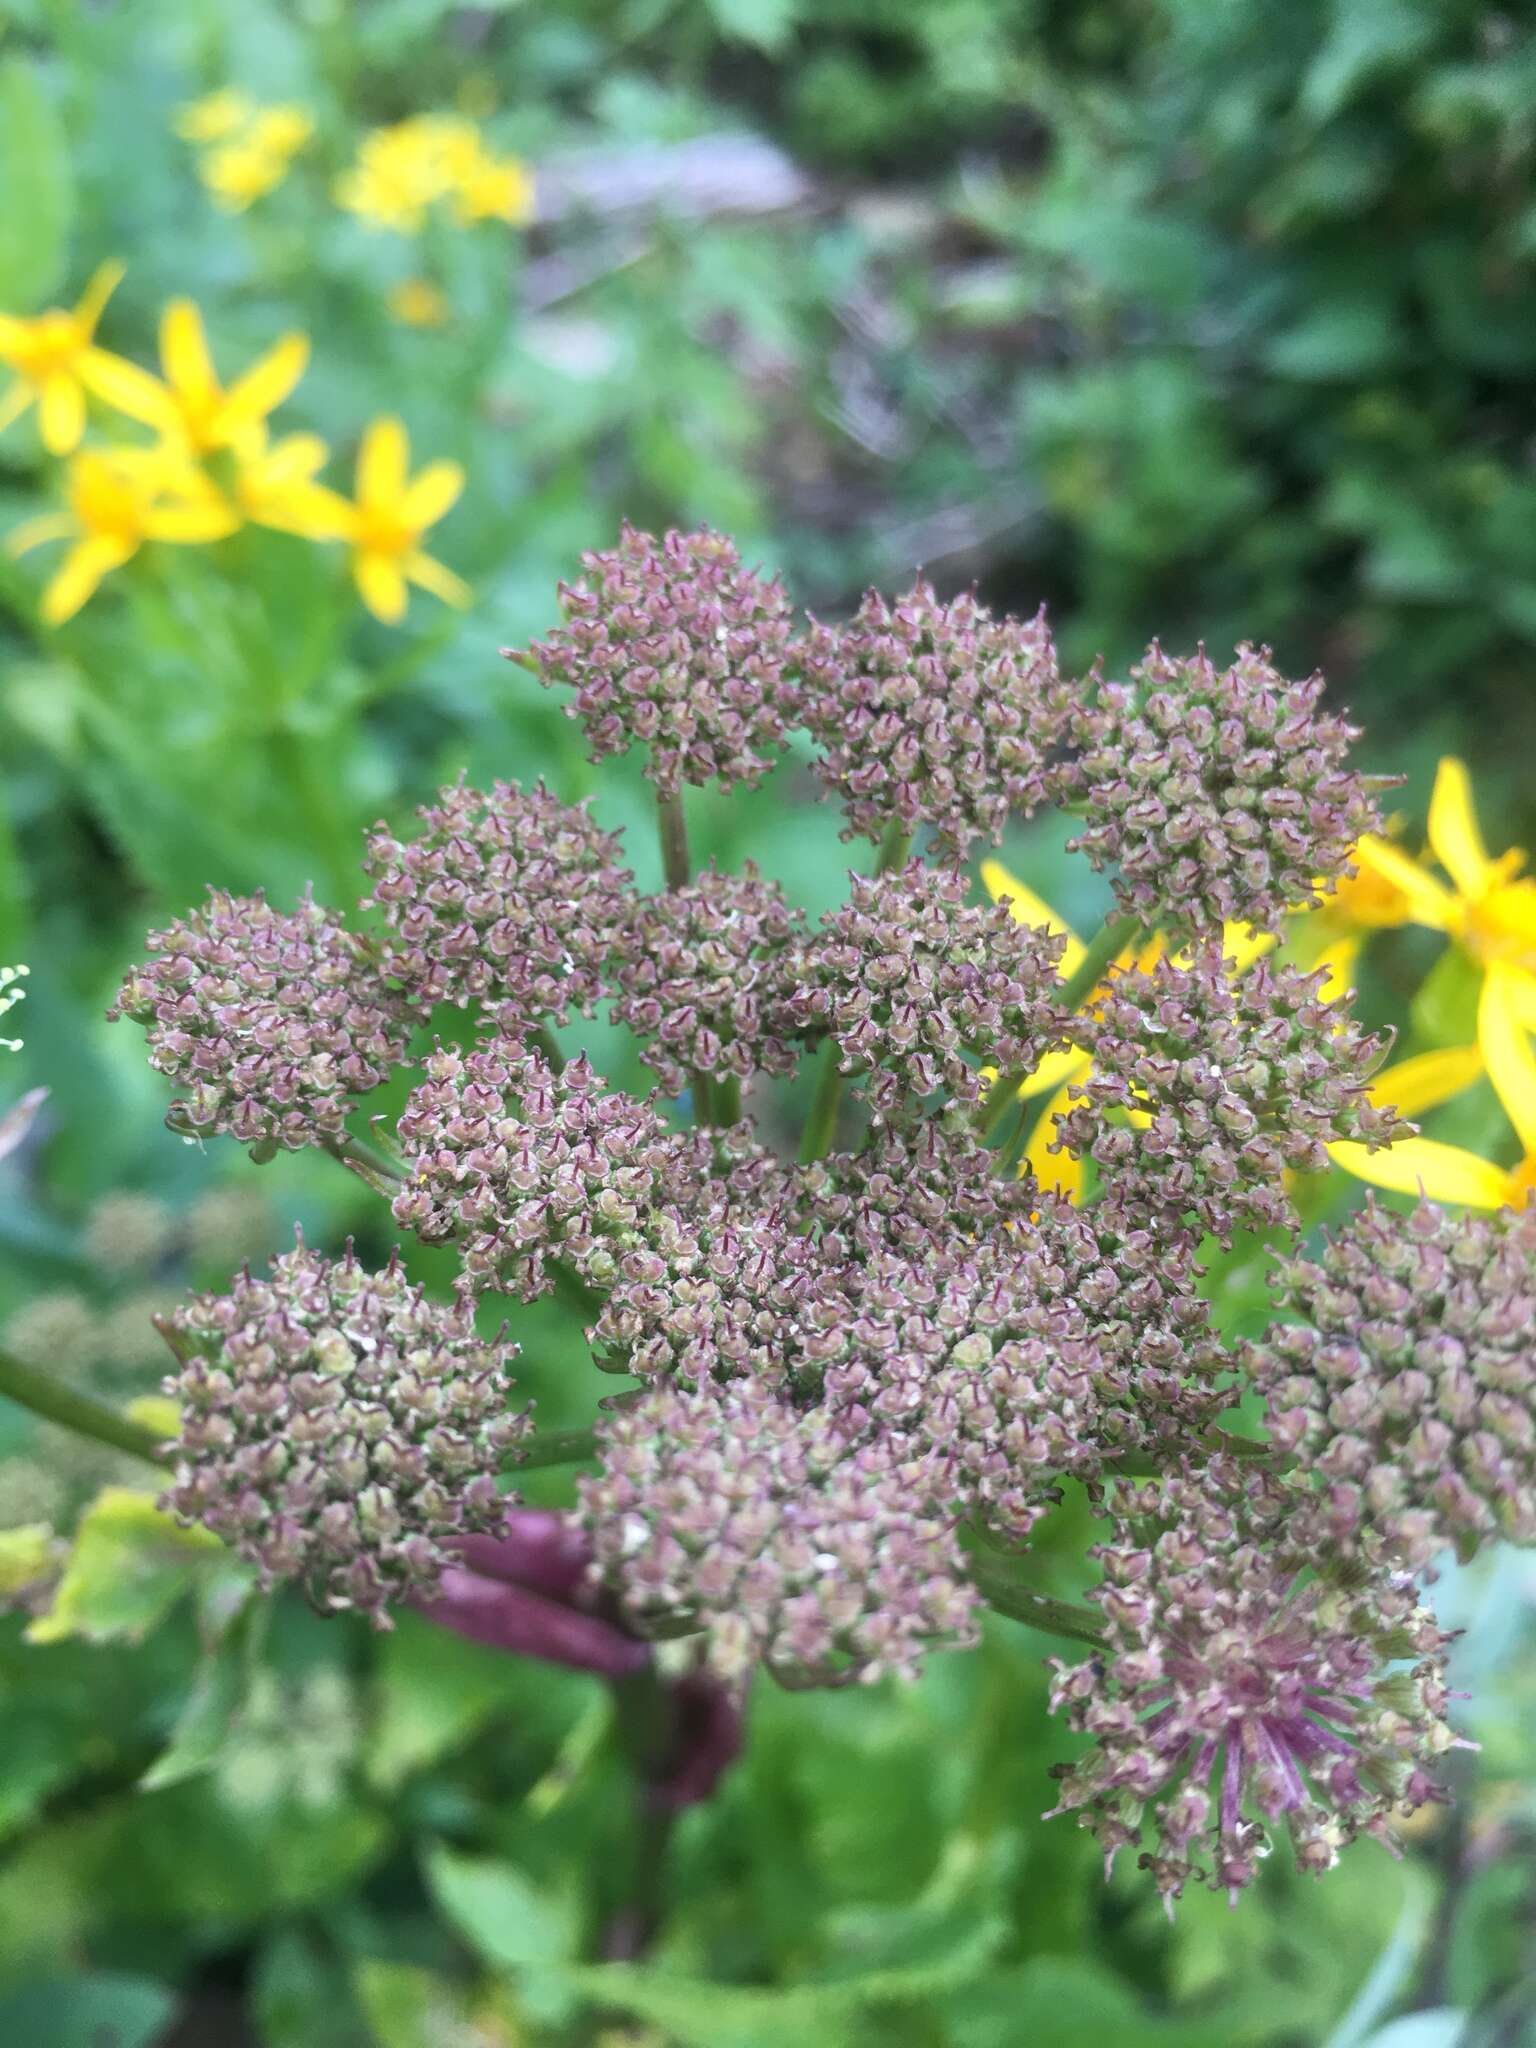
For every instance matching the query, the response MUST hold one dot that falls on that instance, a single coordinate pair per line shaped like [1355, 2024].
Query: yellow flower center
[382, 531]
[49, 344]
[1501, 925]
[104, 503]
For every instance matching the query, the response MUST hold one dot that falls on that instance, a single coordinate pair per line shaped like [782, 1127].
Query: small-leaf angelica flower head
[1218, 795]
[1237, 1692]
[674, 643]
[1208, 1085]
[340, 1428]
[936, 714]
[511, 897]
[728, 1510]
[523, 1165]
[270, 1023]
[908, 979]
[1410, 1389]
[705, 973]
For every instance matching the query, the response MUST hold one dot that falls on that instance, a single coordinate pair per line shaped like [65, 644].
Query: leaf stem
[557, 1447]
[1038, 1610]
[82, 1413]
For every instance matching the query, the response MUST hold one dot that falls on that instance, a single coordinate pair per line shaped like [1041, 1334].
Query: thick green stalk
[381, 1173]
[672, 826]
[1212, 1442]
[558, 1447]
[55, 1402]
[1039, 1610]
[1113, 937]
[544, 1039]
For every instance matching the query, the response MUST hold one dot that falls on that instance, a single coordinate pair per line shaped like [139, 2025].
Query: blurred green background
[1204, 319]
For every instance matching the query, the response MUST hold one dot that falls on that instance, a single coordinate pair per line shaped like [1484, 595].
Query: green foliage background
[1203, 318]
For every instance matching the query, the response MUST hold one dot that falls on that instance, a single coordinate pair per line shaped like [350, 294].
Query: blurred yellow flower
[1488, 907]
[215, 116]
[387, 518]
[1450, 1173]
[403, 170]
[417, 302]
[117, 501]
[192, 407]
[253, 145]
[275, 485]
[1060, 1072]
[56, 361]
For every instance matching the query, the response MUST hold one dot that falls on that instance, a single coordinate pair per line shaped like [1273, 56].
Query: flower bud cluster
[270, 1023]
[1219, 795]
[339, 1428]
[1222, 1082]
[1410, 1390]
[673, 643]
[1237, 1692]
[908, 980]
[523, 1165]
[729, 1511]
[936, 714]
[705, 973]
[512, 897]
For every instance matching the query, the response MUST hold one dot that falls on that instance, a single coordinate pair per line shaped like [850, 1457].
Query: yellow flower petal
[382, 462]
[1506, 1050]
[1028, 908]
[1429, 901]
[1055, 1070]
[429, 497]
[1427, 1080]
[1338, 962]
[265, 385]
[1423, 1166]
[184, 351]
[128, 389]
[381, 585]
[1242, 945]
[89, 306]
[1057, 1171]
[62, 413]
[194, 521]
[442, 582]
[1453, 833]
[80, 573]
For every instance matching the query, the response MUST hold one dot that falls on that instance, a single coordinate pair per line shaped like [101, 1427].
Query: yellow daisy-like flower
[250, 147]
[387, 518]
[192, 407]
[276, 485]
[404, 170]
[1488, 906]
[1060, 1072]
[56, 362]
[118, 500]
[1450, 1173]
[495, 188]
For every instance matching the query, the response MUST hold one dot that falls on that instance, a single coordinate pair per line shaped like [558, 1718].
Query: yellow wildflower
[275, 485]
[1059, 1073]
[417, 302]
[214, 117]
[387, 518]
[1450, 1173]
[255, 145]
[494, 188]
[1488, 907]
[404, 170]
[117, 501]
[56, 361]
[192, 407]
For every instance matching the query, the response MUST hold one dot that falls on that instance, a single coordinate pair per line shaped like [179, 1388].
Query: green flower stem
[86, 1416]
[1038, 1610]
[645, 1730]
[381, 1173]
[544, 1039]
[676, 861]
[1211, 1443]
[728, 1101]
[1112, 938]
[558, 1447]
[821, 1124]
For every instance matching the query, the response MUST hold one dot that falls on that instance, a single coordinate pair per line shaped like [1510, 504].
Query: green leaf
[1060, 2002]
[1442, 2027]
[102, 2011]
[301, 1997]
[129, 1566]
[510, 1922]
[406, 2006]
[39, 190]
[767, 24]
[210, 1715]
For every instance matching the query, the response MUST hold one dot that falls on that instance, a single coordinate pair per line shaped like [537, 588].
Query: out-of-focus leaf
[301, 1997]
[511, 1922]
[407, 2007]
[101, 2010]
[39, 194]
[1060, 2002]
[1444, 2027]
[207, 1721]
[129, 1566]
